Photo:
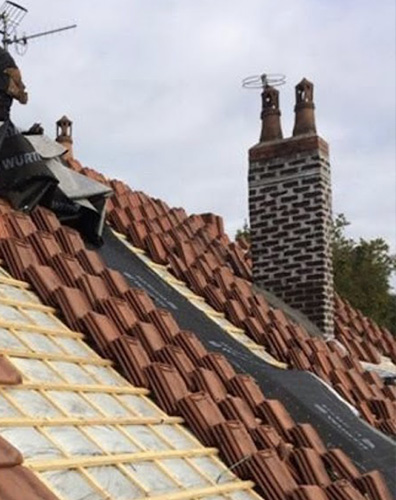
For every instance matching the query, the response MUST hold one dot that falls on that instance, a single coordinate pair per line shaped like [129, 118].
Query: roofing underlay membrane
[85, 431]
[32, 173]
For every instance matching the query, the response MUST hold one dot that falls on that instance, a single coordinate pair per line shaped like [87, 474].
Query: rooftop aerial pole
[11, 15]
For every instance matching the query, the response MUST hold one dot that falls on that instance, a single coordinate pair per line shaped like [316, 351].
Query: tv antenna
[264, 80]
[11, 16]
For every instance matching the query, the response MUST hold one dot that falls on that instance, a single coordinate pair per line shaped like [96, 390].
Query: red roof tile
[9, 375]
[19, 482]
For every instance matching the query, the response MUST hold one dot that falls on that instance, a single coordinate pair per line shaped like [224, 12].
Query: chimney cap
[64, 128]
[304, 91]
[64, 120]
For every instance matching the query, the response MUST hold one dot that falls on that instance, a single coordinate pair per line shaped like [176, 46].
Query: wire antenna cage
[264, 80]
[11, 16]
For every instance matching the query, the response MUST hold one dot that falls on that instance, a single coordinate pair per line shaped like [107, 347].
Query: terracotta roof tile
[9, 456]
[246, 388]
[137, 232]
[271, 475]
[120, 312]
[308, 493]
[155, 248]
[372, 485]
[149, 336]
[305, 435]
[90, 261]
[234, 408]
[310, 467]
[115, 281]
[18, 256]
[175, 356]
[72, 303]
[67, 268]
[274, 413]
[9, 375]
[219, 364]
[340, 464]
[201, 414]
[265, 436]
[101, 330]
[21, 225]
[167, 385]
[69, 239]
[131, 358]
[19, 482]
[164, 322]
[140, 302]
[44, 280]
[235, 312]
[214, 296]
[5, 232]
[343, 490]
[93, 287]
[207, 381]
[45, 245]
[45, 219]
[235, 444]
[191, 345]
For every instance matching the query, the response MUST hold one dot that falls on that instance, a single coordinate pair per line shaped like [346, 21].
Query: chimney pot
[270, 115]
[304, 109]
[64, 129]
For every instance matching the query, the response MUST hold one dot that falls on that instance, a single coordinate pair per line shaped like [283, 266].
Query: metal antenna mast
[11, 15]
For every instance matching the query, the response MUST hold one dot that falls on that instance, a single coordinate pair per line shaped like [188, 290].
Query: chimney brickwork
[290, 217]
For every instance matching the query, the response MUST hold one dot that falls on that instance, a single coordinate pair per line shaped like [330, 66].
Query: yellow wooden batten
[219, 489]
[70, 421]
[108, 389]
[140, 456]
[13, 282]
[28, 305]
[17, 353]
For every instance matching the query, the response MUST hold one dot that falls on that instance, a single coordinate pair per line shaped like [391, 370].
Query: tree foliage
[362, 273]
[243, 233]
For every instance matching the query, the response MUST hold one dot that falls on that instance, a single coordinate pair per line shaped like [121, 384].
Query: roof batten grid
[25, 337]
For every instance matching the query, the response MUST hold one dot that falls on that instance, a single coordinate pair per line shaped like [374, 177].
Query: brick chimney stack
[290, 213]
[64, 129]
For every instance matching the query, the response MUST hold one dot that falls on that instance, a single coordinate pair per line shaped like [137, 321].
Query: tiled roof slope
[199, 252]
[84, 432]
[224, 409]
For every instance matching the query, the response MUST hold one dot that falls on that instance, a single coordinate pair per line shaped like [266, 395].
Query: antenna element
[11, 15]
[264, 80]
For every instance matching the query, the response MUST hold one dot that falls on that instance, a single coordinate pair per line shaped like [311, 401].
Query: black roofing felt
[304, 396]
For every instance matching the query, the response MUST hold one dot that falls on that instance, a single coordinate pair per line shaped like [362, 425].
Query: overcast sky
[154, 90]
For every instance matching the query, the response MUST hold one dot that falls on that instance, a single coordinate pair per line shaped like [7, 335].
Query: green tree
[362, 272]
[243, 233]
